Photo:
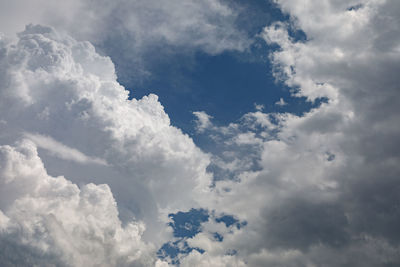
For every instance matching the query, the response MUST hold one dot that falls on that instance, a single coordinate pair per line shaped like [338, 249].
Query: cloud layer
[324, 190]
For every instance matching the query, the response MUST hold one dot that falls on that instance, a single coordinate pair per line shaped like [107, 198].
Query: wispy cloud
[62, 151]
[203, 121]
[281, 102]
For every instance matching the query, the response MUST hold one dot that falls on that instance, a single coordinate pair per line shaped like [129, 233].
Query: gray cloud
[136, 34]
[67, 94]
[305, 208]
[46, 220]
[323, 190]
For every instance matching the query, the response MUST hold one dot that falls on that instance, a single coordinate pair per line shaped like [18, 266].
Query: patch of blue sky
[188, 224]
[218, 237]
[226, 85]
[172, 250]
[229, 220]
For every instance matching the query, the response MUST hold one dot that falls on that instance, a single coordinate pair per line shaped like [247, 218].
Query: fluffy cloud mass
[89, 177]
[137, 34]
[49, 220]
[62, 96]
[207, 24]
[324, 191]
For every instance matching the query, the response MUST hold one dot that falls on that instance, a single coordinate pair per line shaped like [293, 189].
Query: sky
[199, 133]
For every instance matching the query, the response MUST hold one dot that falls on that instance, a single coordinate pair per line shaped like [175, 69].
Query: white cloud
[301, 207]
[152, 167]
[59, 150]
[136, 33]
[203, 260]
[305, 208]
[281, 102]
[65, 224]
[203, 121]
[259, 107]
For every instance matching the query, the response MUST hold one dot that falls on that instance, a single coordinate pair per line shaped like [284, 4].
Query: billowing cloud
[325, 190]
[207, 24]
[49, 220]
[320, 189]
[135, 33]
[63, 96]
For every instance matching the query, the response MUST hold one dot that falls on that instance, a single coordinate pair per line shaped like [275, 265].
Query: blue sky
[199, 133]
[225, 85]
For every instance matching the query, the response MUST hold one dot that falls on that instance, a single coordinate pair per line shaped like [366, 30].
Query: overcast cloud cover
[88, 177]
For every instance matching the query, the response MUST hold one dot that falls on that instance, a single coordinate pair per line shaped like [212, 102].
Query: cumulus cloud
[324, 192]
[319, 189]
[63, 96]
[136, 33]
[208, 24]
[54, 218]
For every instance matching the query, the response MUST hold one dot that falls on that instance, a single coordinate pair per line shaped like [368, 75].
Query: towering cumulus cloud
[49, 220]
[63, 97]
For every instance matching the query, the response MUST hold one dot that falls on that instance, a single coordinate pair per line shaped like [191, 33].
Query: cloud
[259, 107]
[281, 102]
[203, 121]
[136, 33]
[197, 259]
[317, 189]
[51, 220]
[207, 24]
[66, 94]
[59, 150]
[324, 190]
